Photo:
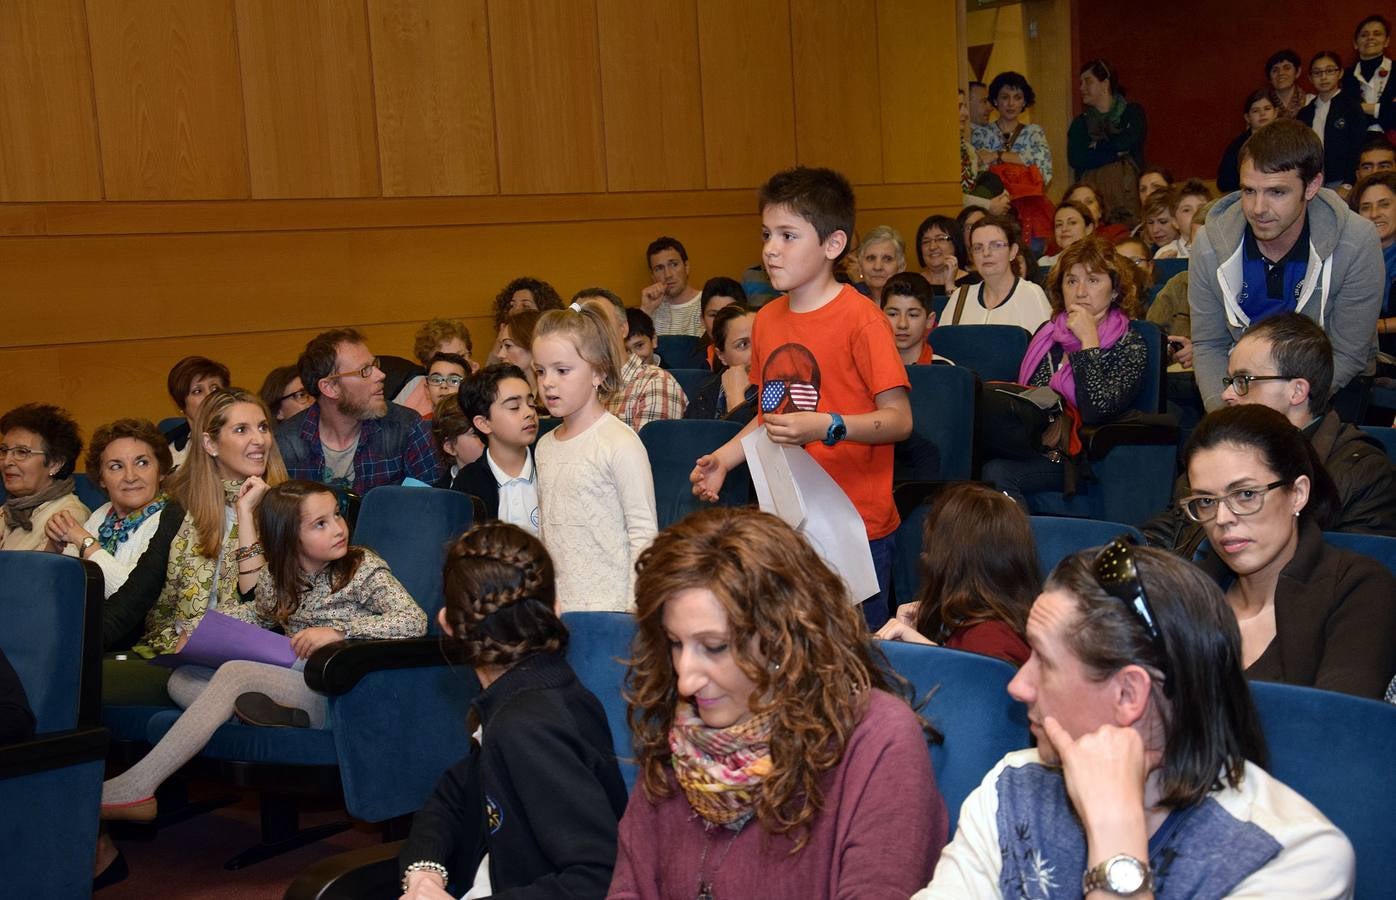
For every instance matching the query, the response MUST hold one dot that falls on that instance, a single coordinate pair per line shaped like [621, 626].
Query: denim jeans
[875, 607]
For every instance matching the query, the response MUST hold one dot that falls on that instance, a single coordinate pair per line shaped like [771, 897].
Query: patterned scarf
[19, 511]
[116, 529]
[1102, 126]
[720, 769]
[190, 578]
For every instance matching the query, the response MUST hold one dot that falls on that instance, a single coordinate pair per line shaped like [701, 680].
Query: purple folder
[219, 638]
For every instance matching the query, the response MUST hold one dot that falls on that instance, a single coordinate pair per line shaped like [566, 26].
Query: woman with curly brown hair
[1087, 353]
[774, 761]
[532, 810]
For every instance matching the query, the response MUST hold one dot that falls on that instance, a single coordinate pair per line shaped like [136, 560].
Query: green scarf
[1102, 126]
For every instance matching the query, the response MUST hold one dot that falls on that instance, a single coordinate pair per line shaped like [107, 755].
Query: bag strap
[1012, 138]
[959, 305]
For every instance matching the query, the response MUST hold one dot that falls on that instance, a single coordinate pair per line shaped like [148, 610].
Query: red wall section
[1192, 63]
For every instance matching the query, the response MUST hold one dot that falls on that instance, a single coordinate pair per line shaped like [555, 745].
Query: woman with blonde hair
[774, 759]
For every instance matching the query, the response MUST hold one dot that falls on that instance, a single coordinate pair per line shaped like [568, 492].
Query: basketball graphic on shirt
[790, 381]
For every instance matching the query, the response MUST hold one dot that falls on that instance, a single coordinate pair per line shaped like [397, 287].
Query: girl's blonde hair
[593, 331]
[197, 484]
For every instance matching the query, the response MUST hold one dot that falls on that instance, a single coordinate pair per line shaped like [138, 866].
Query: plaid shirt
[390, 449]
[646, 393]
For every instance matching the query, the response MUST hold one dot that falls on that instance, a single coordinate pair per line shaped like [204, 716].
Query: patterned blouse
[1107, 378]
[1031, 144]
[374, 604]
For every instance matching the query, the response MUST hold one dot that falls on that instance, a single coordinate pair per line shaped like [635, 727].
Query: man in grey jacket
[1284, 244]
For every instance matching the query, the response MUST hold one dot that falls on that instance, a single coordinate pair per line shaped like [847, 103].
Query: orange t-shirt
[834, 359]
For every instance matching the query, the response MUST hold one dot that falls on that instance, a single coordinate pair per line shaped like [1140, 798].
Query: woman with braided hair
[774, 760]
[532, 810]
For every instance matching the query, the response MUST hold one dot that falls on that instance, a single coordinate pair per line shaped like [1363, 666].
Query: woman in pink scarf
[1086, 353]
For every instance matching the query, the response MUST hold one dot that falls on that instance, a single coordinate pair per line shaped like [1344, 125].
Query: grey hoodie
[1342, 290]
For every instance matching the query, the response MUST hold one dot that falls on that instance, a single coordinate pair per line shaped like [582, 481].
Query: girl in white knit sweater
[595, 490]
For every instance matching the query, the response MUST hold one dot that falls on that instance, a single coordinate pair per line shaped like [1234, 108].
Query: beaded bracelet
[243, 554]
[425, 866]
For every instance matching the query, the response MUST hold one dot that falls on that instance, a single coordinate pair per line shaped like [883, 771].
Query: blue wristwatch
[837, 430]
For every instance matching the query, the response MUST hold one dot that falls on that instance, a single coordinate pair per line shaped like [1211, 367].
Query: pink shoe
[134, 811]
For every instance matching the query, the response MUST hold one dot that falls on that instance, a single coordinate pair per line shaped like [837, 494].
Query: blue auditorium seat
[674, 445]
[943, 400]
[1057, 537]
[680, 351]
[598, 649]
[993, 352]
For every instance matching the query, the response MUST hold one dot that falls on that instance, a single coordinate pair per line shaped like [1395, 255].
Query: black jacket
[703, 403]
[1229, 169]
[478, 480]
[1358, 465]
[1335, 614]
[123, 615]
[1344, 132]
[542, 796]
[1386, 103]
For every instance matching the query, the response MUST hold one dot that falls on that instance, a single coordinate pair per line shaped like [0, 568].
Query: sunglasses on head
[1118, 575]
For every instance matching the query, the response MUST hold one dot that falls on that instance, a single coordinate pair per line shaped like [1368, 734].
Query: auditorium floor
[185, 860]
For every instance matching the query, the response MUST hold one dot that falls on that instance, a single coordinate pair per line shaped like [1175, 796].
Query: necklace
[705, 887]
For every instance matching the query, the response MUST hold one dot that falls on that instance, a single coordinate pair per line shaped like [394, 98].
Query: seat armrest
[55, 750]
[367, 873]
[336, 668]
[1100, 440]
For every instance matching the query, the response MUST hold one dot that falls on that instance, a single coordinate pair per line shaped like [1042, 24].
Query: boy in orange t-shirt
[823, 359]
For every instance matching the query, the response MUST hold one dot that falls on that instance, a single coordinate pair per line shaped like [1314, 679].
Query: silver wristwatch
[1121, 874]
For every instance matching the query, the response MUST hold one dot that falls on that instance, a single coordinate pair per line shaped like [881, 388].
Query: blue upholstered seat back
[942, 411]
[1057, 537]
[410, 527]
[598, 651]
[673, 446]
[1380, 547]
[43, 599]
[993, 352]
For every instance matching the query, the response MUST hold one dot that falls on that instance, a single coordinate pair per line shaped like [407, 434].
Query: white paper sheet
[791, 485]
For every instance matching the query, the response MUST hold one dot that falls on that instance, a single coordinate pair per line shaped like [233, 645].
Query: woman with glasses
[1310, 614]
[1338, 118]
[939, 251]
[284, 393]
[39, 448]
[1001, 297]
[1087, 354]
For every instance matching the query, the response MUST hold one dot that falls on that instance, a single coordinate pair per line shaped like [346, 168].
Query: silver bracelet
[423, 865]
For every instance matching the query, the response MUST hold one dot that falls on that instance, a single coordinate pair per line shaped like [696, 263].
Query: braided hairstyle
[500, 596]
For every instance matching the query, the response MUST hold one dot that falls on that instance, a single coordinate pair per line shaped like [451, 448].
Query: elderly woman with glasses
[1310, 614]
[39, 448]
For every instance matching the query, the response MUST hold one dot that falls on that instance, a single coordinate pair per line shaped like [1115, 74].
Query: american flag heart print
[804, 395]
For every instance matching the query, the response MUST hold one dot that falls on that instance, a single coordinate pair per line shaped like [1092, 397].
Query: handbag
[1016, 420]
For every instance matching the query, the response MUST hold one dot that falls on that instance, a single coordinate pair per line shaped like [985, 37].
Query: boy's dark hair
[454, 359]
[1012, 80]
[721, 286]
[1285, 145]
[1285, 55]
[321, 354]
[478, 392]
[822, 197]
[1299, 348]
[909, 284]
[1257, 95]
[1380, 20]
[665, 243]
[1376, 142]
[639, 323]
[184, 373]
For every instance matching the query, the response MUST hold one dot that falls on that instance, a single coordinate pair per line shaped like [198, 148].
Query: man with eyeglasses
[352, 439]
[1286, 363]
[1141, 784]
[1285, 244]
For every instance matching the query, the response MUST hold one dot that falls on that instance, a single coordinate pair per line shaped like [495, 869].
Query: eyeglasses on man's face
[299, 396]
[1241, 384]
[436, 379]
[1246, 501]
[367, 371]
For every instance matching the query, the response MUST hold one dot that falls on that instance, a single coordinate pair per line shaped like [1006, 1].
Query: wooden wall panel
[748, 97]
[431, 79]
[653, 99]
[169, 99]
[918, 78]
[547, 96]
[838, 116]
[48, 136]
[307, 85]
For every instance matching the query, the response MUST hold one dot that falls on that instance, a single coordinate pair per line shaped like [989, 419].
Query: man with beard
[352, 438]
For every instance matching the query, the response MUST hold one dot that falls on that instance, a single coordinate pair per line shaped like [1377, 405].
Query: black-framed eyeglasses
[436, 379]
[1116, 573]
[366, 372]
[1241, 384]
[1242, 501]
[299, 396]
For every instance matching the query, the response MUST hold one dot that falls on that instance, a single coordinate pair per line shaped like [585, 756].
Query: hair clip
[575, 307]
